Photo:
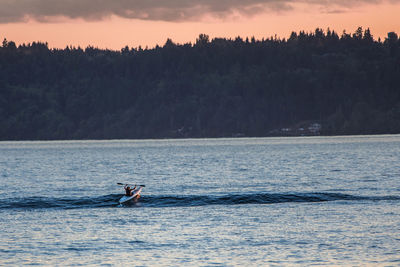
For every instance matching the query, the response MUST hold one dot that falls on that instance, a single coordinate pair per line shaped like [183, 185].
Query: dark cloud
[164, 10]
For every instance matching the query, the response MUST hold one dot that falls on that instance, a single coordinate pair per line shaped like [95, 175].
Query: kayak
[135, 193]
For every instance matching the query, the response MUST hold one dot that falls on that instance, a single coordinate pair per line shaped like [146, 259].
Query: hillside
[347, 84]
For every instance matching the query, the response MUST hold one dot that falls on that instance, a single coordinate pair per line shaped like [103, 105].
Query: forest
[340, 84]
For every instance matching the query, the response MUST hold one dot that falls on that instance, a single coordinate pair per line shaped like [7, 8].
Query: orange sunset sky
[117, 23]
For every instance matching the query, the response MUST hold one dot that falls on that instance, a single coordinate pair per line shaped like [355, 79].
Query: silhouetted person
[128, 190]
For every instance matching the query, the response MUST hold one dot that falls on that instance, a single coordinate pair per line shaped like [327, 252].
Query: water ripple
[184, 200]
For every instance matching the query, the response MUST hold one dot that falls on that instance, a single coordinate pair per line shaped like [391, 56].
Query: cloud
[162, 10]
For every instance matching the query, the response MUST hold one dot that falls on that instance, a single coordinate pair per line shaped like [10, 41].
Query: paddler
[128, 190]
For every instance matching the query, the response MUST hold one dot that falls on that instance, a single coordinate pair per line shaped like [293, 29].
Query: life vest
[127, 192]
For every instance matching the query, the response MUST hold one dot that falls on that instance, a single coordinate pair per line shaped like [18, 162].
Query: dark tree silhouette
[348, 84]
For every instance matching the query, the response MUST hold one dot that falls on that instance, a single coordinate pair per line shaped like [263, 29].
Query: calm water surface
[208, 202]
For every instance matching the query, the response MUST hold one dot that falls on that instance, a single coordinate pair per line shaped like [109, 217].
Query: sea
[295, 201]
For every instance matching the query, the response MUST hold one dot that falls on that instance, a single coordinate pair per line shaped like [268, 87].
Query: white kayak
[135, 193]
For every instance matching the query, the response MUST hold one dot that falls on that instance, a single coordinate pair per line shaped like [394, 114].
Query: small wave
[64, 203]
[236, 199]
[183, 201]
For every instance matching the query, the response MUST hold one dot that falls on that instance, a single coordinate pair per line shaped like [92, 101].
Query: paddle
[141, 185]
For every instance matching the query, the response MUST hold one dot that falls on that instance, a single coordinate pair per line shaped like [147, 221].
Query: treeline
[350, 84]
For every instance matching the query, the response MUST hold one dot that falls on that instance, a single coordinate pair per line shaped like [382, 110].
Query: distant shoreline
[316, 83]
[206, 138]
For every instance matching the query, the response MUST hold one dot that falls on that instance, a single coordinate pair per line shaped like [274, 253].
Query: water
[210, 202]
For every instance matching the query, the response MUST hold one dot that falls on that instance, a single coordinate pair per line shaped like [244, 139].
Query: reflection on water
[268, 201]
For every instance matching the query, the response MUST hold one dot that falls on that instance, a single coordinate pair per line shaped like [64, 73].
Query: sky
[114, 24]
